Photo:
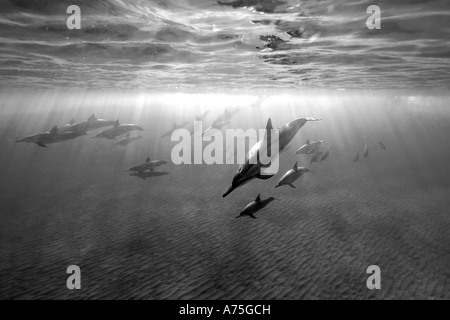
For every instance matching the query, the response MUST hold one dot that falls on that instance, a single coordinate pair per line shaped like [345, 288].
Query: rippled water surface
[218, 45]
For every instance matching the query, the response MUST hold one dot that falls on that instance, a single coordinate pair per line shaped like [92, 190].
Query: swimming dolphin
[309, 147]
[175, 127]
[52, 136]
[90, 124]
[291, 176]
[252, 169]
[217, 125]
[325, 156]
[366, 152]
[356, 158]
[128, 139]
[317, 156]
[117, 130]
[149, 164]
[227, 114]
[382, 145]
[255, 206]
[148, 174]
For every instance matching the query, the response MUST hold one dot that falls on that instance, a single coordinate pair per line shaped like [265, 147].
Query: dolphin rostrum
[255, 206]
[291, 176]
[252, 169]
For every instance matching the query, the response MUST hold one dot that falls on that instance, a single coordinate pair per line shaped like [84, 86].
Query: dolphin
[255, 206]
[249, 171]
[317, 156]
[90, 124]
[128, 139]
[291, 176]
[356, 158]
[148, 174]
[325, 156]
[175, 127]
[117, 130]
[309, 147]
[216, 125]
[149, 164]
[382, 145]
[52, 136]
[227, 114]
[366, 152]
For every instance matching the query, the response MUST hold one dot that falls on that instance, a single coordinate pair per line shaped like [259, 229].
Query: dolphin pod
[255, 206]
[252, 169]
[74, 129]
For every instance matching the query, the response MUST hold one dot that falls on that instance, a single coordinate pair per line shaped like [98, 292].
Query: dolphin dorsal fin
[308, 142]
[148, 159]
[92, 117]
[258, 198]
[72, 121]
[295, 166]
[54, 130]
[117, 123]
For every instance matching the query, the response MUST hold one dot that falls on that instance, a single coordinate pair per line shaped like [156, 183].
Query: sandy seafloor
[175, 237]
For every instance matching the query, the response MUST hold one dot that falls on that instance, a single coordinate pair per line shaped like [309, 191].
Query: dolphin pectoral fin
[40, 144]
[264, 176]
[292, 186]
[252, 216]
[278, 185]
